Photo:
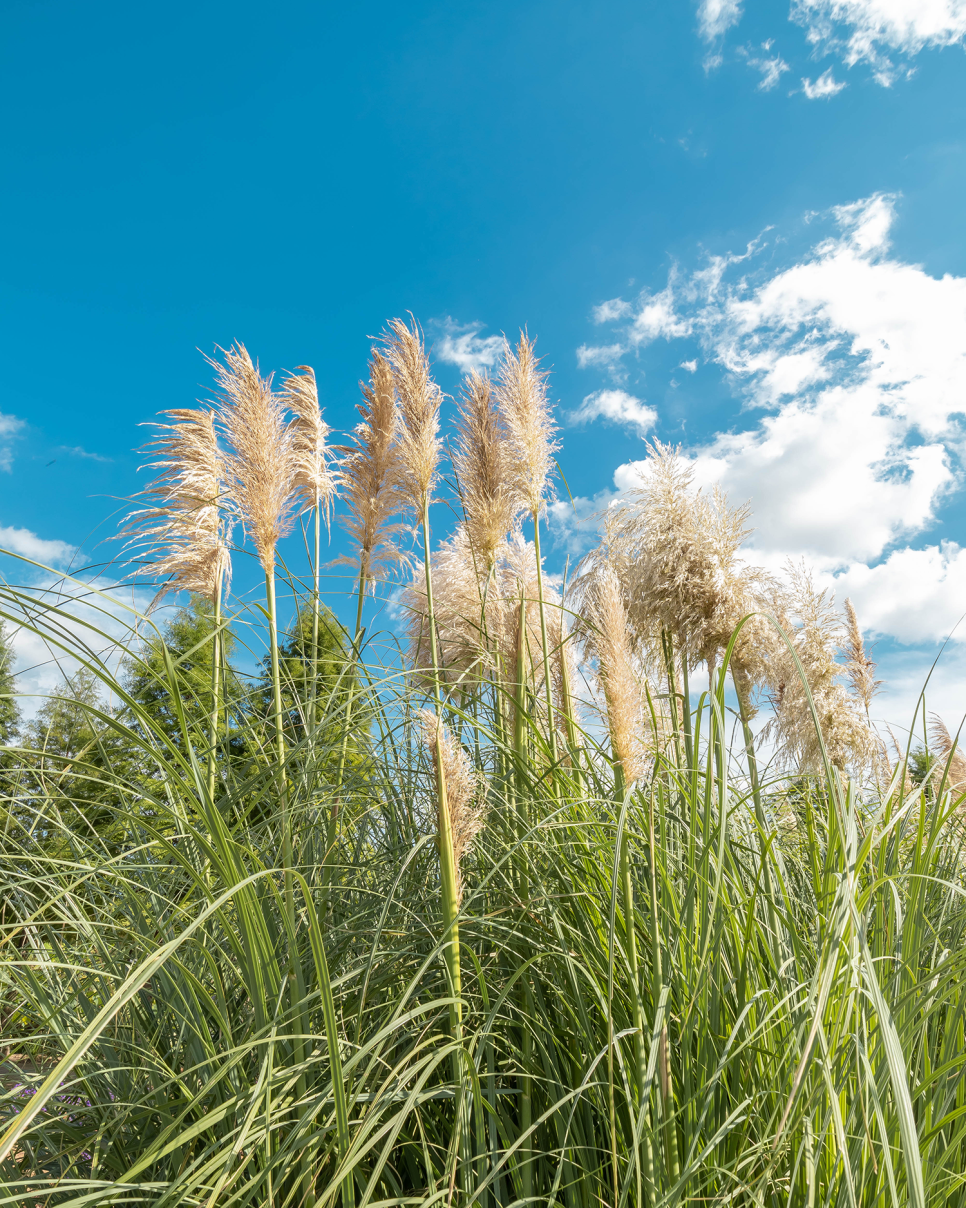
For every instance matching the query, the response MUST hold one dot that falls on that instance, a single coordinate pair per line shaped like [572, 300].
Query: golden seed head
[483, 468]
[262, 462]
[419, 400]
[522, 396]
[314, 479]
[369, 471]
[183, 527]
[466, 813]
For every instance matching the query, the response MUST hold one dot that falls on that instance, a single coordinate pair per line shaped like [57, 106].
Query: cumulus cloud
[39, 549]
[615, 406]
[716, 17]
[10, 425]
[866, 30]
[856, 362]
[824, 87]
[463, 346]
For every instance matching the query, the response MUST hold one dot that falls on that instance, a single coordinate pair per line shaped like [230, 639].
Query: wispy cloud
[716, 17]
[867, 30]
[824, 87]
[770, 66]
[617, 407]
[10, 426]
[463, 346]
[78, 451]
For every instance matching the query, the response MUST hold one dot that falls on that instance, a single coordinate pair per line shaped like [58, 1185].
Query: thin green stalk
[447, 861]
[215, 693]
[547, 677]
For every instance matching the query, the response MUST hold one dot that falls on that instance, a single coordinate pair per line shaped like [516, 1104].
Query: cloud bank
[855, 362]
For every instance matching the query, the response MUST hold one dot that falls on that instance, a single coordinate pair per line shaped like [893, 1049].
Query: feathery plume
[676, 552]
[522, 396]
[261, 462]
[482, 465]
[859, 668]
[419, 402]
[477, 614]
[368, 471]
[183, 526]
[610, 639]
[816, 638]
[313, 478]
[462, 789]
[949, 763]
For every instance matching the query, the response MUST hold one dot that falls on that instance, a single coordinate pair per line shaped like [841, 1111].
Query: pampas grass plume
[462, 789]
[483, 467]
[419, 402]
[525, 410]
[314, 479]
[262, 462]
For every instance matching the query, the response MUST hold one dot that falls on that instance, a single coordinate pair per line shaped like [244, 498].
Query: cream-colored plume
[610, 639]
[859, 668]
[262, 462]
[676, 553]
[950, 763]
[466, 812]
[817, 632]
[419, 402]
[369, 472]
[314, 478]
[477, 614]
[522, 396]
[183, 527]
[483, 467]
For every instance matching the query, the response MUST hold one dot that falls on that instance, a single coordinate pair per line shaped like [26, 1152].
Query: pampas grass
[332, 984]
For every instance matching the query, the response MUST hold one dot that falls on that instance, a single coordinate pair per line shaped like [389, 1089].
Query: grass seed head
[950, 763]
[314, 479]
[419, 402]
[483, 466]
[262, 462]
[183, 526]
[522, 396]
[462, 783]
[369, 471]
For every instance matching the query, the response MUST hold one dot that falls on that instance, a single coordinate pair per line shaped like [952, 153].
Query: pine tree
[315, 681]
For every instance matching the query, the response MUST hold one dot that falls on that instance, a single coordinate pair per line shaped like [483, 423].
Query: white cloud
[824, 87]
[10, 425]
[862, 30]
[463, 346]
[618, 407]
[858, 360]
[605, 357]
[689, 366]
[716, 17]
[39, 549]
[770, 66]
[613, 308]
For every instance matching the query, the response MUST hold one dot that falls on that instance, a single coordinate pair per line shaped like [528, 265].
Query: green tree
[317, 681]
[181, 656]
[9, 707]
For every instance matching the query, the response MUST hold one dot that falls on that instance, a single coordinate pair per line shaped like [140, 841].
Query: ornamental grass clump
[512, 916]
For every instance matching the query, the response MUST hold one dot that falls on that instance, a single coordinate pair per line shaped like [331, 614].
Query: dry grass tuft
[262, 463]
[483, 467]
[369, 472]
[609, 639]
[522, 396]
[462, 789]
[950, 763]
[859, 667]
[477, 612]
[817, 632]
[314, 478]
[183, 527]
[419, 402]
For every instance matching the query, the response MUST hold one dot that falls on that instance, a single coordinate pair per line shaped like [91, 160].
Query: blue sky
[771, 199]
